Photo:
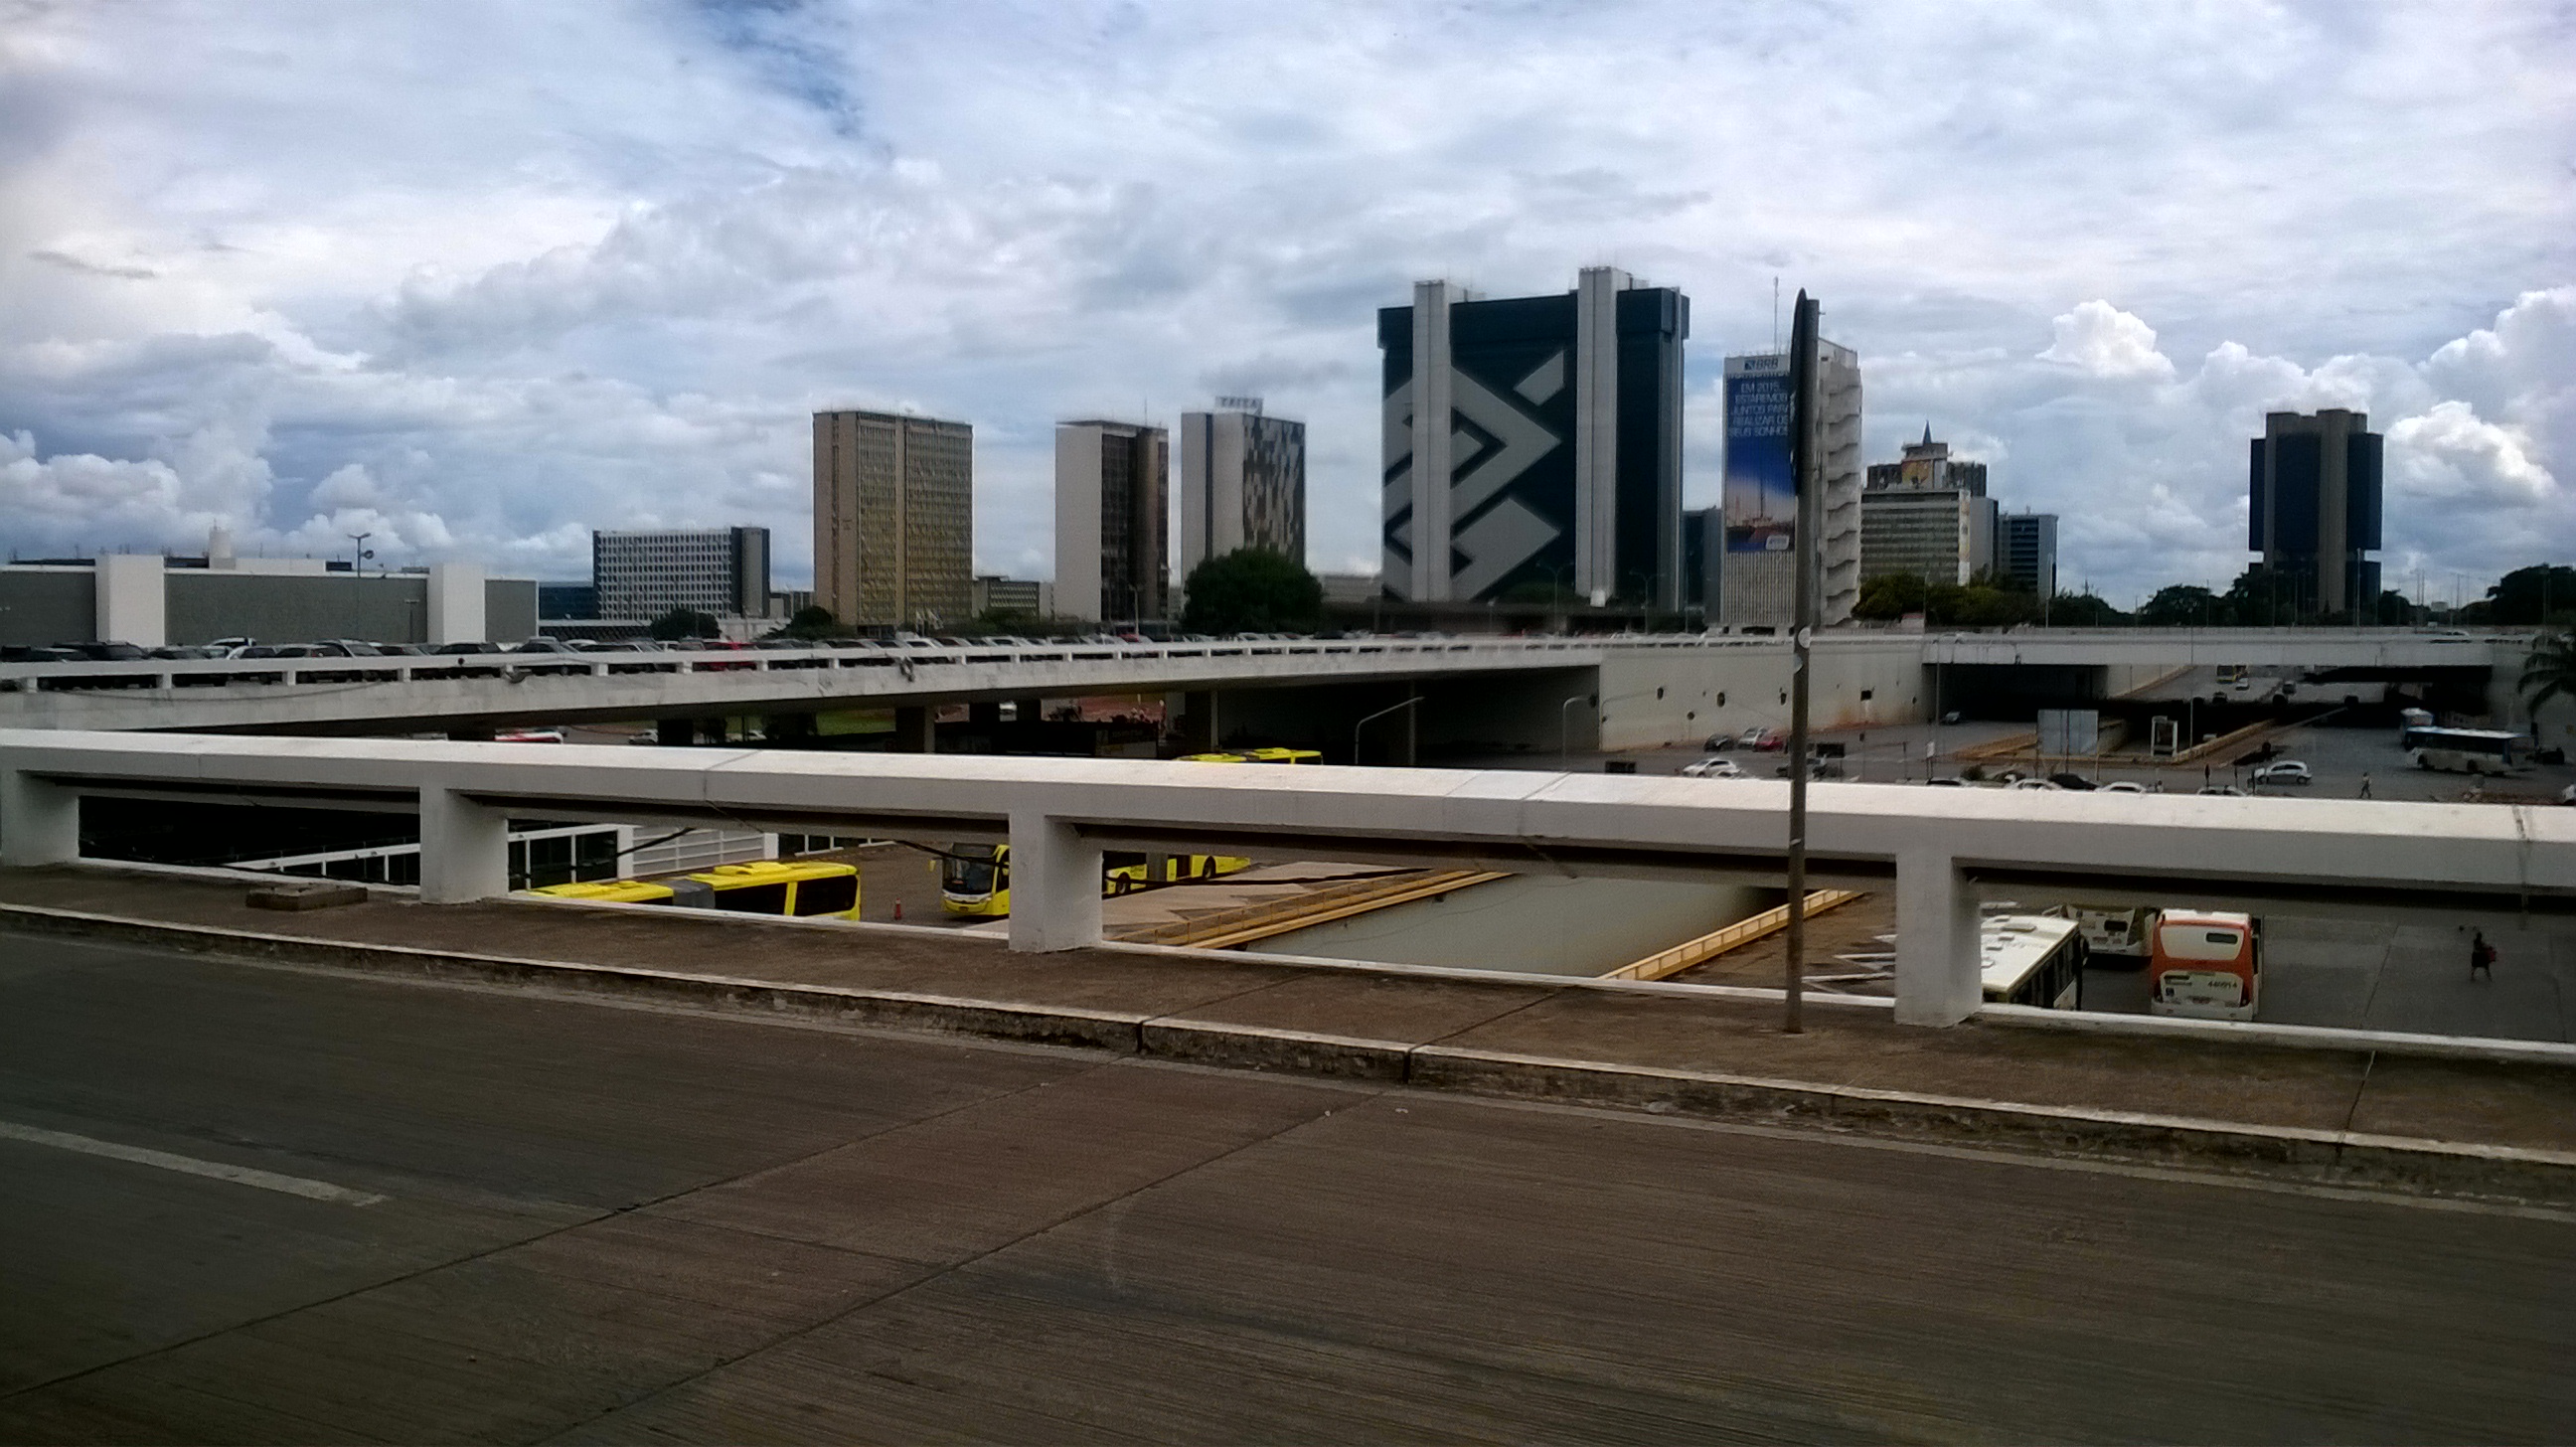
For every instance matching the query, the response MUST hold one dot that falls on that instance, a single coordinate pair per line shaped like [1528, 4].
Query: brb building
[1534, 445]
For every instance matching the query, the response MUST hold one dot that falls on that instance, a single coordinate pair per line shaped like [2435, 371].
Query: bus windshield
[971, 875]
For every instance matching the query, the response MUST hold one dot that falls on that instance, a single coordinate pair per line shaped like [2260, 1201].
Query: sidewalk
[2503, 1127]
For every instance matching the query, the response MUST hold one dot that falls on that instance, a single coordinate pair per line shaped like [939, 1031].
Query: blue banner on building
[1761, 495]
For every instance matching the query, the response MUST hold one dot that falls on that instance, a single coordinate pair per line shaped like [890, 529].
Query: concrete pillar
[676, 733]
[132, 599]
[916, 730]
[455, 603]
[39, 822]
[1030, 710]
[1412, 727]
[1055, 885]
[712, 730]
[1936, 941]
[464, 849]
[789, 729]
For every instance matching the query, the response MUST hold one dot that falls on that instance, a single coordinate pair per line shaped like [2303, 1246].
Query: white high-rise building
[1112, 484]
[1243, 483]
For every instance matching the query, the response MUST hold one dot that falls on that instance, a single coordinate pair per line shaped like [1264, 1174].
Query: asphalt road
[620, 1225]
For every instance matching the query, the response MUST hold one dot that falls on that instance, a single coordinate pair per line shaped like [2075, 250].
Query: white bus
[2031, 959]
[2463, 751]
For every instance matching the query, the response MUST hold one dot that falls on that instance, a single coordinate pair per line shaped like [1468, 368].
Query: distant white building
[1243, 483]
[718, 571]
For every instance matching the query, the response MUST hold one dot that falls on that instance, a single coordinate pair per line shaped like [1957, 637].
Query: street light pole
[1372, 718]
[1564, 747]
[357, 582]
[1804, 432]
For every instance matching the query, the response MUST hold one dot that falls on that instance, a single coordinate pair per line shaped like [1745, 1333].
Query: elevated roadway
[402, 695]
[524, 1219]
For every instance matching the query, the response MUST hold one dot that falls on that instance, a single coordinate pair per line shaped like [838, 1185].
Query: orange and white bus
[2206, 965]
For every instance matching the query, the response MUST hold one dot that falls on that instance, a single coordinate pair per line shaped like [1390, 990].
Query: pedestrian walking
[2365, 783]
[2481, 955]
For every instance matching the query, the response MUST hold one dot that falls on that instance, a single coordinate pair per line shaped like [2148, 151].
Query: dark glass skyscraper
[2315, 484]
[1535, 441]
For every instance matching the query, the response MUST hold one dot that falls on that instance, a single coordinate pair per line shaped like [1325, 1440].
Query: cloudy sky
[478, 277]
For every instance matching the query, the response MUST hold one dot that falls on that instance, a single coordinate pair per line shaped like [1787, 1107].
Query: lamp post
[1564, 729]
[357, 587]
[1372, 718]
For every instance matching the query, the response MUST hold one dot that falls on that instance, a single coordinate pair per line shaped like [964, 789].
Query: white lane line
[190, 1165]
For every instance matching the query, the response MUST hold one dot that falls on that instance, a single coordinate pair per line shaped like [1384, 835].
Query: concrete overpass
[1638, 691]
[2393, 649]
[1939, 847]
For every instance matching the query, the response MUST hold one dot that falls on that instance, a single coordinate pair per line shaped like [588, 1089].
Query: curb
[2336, 1157]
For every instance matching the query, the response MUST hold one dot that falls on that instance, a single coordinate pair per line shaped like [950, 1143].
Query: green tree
[2083, 610]
[2550, 672]
[814, 621]
[685, 623]
[1890, 596]
[2185, 605]
[2544, 593]
[1252, 590]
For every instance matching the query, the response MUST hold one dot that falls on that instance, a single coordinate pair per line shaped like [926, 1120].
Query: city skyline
[265, 303]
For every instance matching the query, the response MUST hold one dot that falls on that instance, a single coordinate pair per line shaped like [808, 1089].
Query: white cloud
[2100, 340]
[491, 275]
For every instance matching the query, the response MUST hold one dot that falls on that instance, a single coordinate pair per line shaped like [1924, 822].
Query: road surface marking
[190, 1165]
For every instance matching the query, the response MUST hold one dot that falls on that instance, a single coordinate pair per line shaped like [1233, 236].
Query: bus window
[754, 899]
[835, 895]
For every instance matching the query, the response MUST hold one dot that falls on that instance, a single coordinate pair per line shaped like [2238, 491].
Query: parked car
[2228, 790]
[1718, 744]
[2046, 784]
[348, 648]
[1713, 769]
[2125, 786]
[2077, 782]
[2285, 771]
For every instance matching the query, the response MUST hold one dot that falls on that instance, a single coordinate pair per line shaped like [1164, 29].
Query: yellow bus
[1281, 756]
[804, 889]
[1209, 759]
[976, 878]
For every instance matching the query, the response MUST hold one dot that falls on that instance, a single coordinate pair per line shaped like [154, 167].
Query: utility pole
[1804, 428]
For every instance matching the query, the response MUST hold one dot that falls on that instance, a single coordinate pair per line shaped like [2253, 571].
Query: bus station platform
[2338, 1109]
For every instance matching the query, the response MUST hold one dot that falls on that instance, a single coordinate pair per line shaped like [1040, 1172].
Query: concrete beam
[1937, 979]
[916, 730]
[39, 822]
[464, 849]
[1055, 885]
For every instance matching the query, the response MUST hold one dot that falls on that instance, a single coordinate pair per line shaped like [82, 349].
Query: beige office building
[894, 519]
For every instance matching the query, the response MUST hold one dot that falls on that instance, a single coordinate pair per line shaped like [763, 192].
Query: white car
[2285, 771]
[2124, 786]
[2035, 784]
[2226, 790]
[1713, 769]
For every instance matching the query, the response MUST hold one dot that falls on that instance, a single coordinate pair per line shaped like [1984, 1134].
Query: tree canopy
[1252, 590]
[685, 623]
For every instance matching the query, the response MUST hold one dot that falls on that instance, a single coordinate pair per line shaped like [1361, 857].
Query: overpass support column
[1030, 710]
[916, 731]
[464, 849]
[39, 822]
[1055, 885]
[675, 733]
[713, 730]
[1936, 941]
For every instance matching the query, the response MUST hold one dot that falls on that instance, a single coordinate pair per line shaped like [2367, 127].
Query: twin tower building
[1532, 450]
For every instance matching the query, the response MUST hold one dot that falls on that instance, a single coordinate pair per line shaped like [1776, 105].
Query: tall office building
[721, 571]
[1112, 484]
[1535, 440]
[2315, 485]
[894, 518]
[1757, 576]
[2026, 552]
[1243, 483]
[1928, 516]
